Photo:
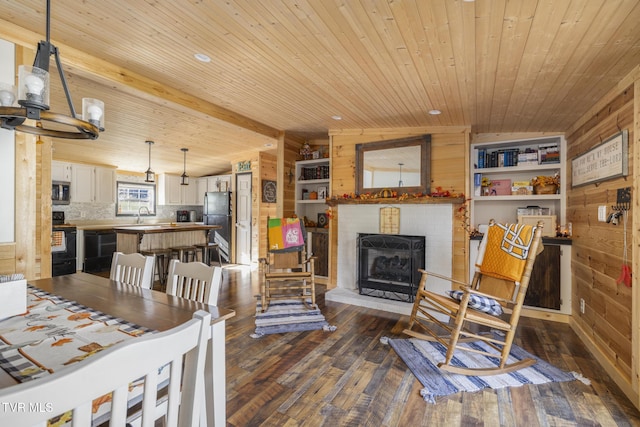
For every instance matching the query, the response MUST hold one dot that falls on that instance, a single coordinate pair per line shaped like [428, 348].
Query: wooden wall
[597, 253]
[267, 169]
[32, 205]
[287, 179]
[449, 170]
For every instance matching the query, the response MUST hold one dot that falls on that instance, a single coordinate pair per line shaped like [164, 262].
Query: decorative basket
[545, 189]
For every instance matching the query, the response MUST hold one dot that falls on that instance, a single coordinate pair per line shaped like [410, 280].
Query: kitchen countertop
[163, 228]
[103, 225]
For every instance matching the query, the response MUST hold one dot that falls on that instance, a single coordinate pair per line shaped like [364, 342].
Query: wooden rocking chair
[288, 273]
[503, 269]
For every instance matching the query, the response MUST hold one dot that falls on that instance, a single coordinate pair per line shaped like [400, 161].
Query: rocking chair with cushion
[288, 273]
[493, 300]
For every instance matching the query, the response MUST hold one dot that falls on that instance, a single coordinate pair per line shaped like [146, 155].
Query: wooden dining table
[151, 309]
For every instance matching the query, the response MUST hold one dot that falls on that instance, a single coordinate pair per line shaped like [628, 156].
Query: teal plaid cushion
[479, 302]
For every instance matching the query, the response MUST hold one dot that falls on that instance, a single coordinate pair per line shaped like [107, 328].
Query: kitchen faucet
[139, 221]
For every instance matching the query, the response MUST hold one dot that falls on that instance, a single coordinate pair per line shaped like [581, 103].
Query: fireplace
[388, 265]
[433, 221]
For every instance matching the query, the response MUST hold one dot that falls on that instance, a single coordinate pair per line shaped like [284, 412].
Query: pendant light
[33, 100]
[185, 177]
[150, 175]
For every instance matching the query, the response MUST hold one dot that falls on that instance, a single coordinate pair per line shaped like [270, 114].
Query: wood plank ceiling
[282, 65]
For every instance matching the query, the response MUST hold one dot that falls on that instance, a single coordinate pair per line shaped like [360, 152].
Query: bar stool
[205, 251]
[162, 264]
[184, 253]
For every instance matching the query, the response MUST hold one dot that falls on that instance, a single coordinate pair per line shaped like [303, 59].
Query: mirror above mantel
[401, 165]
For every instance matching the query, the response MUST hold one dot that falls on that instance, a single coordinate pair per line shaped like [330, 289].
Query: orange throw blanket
[284, 233]
[505, 251]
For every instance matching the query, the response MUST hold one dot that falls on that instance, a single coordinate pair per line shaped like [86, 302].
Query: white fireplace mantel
[434, 221]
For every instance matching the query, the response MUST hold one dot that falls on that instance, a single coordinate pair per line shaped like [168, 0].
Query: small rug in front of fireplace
[288, 316]
[422, 357]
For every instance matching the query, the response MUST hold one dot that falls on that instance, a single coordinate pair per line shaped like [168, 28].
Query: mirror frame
[423, 141]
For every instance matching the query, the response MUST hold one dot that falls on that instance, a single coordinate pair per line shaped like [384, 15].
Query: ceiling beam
[101, 71]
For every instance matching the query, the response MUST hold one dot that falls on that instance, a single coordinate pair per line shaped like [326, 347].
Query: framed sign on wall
[269, 191]
[605, 161]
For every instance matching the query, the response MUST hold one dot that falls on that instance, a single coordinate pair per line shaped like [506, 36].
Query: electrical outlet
[602, 213]
[582, 305]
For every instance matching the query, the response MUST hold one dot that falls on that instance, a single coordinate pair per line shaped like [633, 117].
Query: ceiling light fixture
[202, 57]
[336, 117]
[435, 112]
[185, 177]
[33, 98]
[150, 175]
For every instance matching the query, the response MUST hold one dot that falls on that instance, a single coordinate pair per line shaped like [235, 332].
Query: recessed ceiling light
[202, 57]
[435, 112]
[336, 117]
[268, 145]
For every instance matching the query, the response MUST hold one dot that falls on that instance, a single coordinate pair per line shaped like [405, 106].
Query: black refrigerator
[217, 211]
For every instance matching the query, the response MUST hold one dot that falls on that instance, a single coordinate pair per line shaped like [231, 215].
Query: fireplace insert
[388, 265]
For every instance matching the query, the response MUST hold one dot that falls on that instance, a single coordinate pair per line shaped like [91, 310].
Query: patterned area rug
[423, 356]
[288, 316]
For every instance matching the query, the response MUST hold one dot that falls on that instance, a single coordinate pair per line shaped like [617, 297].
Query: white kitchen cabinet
[201, 189]
[171, 192]
[191, 193]
[105, 185]
[60, 171]
[92, 184]
[219, 183]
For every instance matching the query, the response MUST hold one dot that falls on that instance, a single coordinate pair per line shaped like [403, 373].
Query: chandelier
[33, 100]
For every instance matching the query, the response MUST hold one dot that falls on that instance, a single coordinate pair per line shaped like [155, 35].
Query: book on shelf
[529, 156]
[477, 184]
[548, 154]
[314, 172]
[497, 158]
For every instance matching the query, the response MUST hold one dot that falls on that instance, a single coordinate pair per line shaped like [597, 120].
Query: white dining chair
[132, 269]
[195, 281]
[113, 370]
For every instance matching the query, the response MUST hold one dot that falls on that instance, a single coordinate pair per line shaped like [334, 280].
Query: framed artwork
[269, 193]
[604, 161]
[389, 220]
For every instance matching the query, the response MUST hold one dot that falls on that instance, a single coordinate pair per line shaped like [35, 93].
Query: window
[134, 197]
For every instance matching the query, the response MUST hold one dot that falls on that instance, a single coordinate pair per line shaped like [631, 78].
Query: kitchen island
[136, 238]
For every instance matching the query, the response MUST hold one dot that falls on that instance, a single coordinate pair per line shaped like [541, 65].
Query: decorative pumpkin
[386, 193]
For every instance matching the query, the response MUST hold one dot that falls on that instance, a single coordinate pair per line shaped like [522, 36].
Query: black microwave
[60, 192]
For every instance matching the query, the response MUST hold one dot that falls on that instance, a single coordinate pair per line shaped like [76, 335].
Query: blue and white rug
[288, 316]
[422, 358]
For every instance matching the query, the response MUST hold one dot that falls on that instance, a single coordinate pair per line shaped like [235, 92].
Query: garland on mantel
[388, 196]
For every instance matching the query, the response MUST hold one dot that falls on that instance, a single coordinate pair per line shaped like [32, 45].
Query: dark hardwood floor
[348, 378]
